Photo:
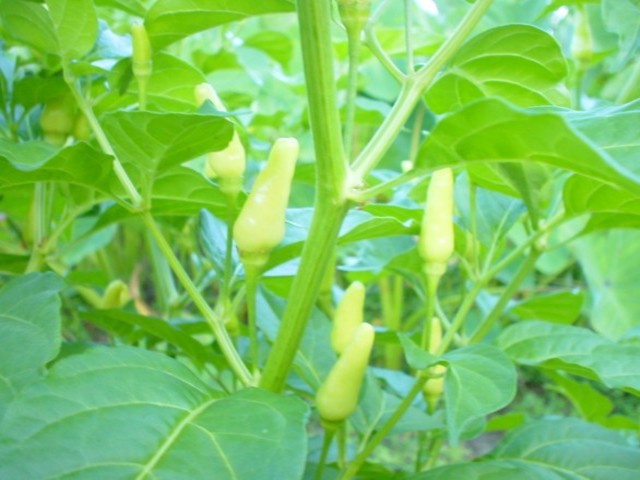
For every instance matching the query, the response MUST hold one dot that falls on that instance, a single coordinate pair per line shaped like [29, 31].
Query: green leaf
[557, 307]
[589, 402]
[614, 130]
[29, 23]
[76, 26]
[172, 83]
[480, 379]
[150, 417]
[275, 44]
[29, 331]
[155, 142]
[490, 130]
[609, 207]
[131, 6]
[179, 191]
[554, 449]
[519, 63]
[171, 20]
[79, 164]
[159, 328]
[613, 279]
[417, 358]
[576, 350]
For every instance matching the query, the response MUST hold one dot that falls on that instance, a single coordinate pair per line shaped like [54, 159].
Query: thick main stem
[330, 204]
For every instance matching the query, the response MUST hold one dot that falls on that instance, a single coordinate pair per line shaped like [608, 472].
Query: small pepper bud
[354, 14]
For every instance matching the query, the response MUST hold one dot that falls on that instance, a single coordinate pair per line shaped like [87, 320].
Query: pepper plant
[468, 172]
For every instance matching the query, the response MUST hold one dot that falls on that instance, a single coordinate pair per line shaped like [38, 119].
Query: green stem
[101, 137]
[374, 46]
[215, 323]
[432, 289]
[352, 91]
[330, 205]
[412, 89]
[326, 443]
[361, 196]
[252, 274]
[522, 273]
[434, 449]
[384, 430]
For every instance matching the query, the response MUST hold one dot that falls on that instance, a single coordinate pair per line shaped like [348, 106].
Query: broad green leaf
[611, 266]
[30, 91]
[554, 449]
[155, 142]
[159, 328]
[76, 26]
[417, 358]
[557, 307]
[480, 380]
[168, 21]
[490, 130]
[609, 207]
[179, 191]
[614, 130]
[519, 63]
[589, 402]
[275, 44]
[29, 23]
[29, 331]
[79, 164]
[141, 414]
[172, 83]
[576, 350]
[131, 6]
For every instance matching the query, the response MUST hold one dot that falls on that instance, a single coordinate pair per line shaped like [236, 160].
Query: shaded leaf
[576, 350]
[555, 449]
[29, 330]
[151, 417]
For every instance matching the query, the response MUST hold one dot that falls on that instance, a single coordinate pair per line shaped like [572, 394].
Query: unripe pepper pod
[260, 226]
[436, 241]
[337, 397]
[348, 316]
